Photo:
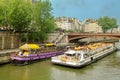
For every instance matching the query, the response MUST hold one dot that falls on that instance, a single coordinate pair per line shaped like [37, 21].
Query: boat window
[86, 55]
[70, 54]
[78, 54]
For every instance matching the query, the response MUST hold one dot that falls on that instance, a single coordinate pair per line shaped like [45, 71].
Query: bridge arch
[76, 36]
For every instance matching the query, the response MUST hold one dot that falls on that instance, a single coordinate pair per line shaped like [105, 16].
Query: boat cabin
[70, 54]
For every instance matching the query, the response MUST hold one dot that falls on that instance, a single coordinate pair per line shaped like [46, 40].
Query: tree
[43, 22]
[20, 15]
[4, 13]
[43, 19]
[1, 13]
[107, 23]
[28, 16]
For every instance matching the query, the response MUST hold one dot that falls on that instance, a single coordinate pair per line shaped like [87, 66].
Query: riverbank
[4, 59]
[5, 55]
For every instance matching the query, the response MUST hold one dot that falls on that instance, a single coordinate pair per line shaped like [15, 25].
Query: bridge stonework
[73, 36]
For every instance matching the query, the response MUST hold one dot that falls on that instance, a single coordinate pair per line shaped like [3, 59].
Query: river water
[107, 68]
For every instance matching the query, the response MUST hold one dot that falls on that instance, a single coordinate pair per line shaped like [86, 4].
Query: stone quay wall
[8, 40]
[11, 40]
[55, 36]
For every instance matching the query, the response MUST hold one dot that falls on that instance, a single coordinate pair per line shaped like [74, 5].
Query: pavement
[8, 51]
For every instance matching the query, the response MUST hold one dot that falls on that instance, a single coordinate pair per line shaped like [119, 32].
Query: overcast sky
[82, 9]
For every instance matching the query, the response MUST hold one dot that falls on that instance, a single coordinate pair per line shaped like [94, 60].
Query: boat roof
[70, 52]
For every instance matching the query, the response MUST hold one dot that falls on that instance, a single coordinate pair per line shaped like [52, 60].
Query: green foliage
[43, 20]
[80, 30]
[43, 36]
[23, 15]
[39, 36]
[1, 13]
[107, 23]
[20, 16]
[69, 31]
[4, 13]
[32, 36]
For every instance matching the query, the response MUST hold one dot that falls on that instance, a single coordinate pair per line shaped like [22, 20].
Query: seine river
[107, 68]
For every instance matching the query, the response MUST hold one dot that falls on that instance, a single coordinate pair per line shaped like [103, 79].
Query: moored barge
[30, 53]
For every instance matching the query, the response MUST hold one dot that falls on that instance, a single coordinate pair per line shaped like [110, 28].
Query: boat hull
[85, 62]
[21, 60]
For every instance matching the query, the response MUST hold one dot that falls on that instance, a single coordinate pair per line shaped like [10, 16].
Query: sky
[83, 9]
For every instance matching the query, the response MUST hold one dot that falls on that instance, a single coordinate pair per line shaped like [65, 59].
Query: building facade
[91, 26]
[67, 23]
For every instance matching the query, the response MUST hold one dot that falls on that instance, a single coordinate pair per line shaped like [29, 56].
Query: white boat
[79, 58]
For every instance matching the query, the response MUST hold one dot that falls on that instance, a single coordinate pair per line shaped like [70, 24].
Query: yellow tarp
[29, 46]
[49, 44]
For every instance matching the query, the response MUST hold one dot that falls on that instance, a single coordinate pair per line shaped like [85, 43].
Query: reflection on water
[36, 71]
[107, 68]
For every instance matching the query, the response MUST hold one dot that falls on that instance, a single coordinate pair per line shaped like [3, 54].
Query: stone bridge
[75, 36]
